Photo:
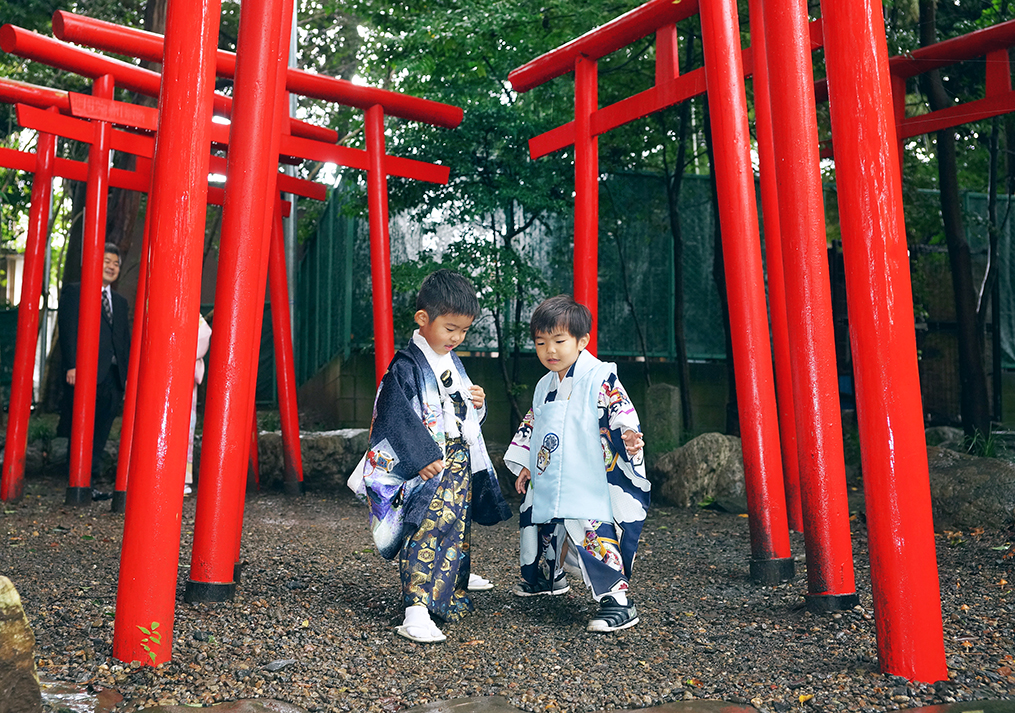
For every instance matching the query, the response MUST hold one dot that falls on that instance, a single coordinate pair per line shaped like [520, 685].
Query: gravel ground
[315, 592]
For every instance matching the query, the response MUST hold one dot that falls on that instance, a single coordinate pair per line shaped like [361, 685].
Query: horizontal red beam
[954, 50]
[957, 115]
[357, 158]
[31, 45]
[147, 45]
[942, 54]
[79, 130]
[644, 103]
[15, 92]
[143, 117]
[144, 146]
[629, 27]
[137, 180]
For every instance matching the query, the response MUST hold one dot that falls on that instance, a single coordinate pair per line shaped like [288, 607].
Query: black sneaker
[542, 586]
[612, 616]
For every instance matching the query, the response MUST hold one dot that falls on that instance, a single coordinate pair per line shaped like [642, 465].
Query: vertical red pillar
[776, 278]
[285, 370]
[146, 591]
[12, 479]
[79, 491]
[831, 583]
[766, 499]
[586, 192]
[380, 250]
[907, 604]
[119, 503]
[273, 205]
[249, 195]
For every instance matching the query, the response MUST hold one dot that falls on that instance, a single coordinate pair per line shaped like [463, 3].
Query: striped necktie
[107, 308]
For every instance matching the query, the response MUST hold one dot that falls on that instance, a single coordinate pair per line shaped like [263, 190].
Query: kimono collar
[582, 366]
[439, 363]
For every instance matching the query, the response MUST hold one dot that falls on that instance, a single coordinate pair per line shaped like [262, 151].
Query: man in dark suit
[114, 351]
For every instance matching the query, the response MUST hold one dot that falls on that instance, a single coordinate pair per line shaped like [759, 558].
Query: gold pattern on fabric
[434, 562]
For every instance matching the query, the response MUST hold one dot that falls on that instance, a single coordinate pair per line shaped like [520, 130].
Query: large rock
[707, 469]
[945, 436]
[328, 457]
[969, 492]
[19, 684]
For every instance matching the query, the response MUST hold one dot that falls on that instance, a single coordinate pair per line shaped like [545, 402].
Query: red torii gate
[208, 577]
[148, 46]
[907, 602]
[173, 223]
[771, 561]
[34, 46]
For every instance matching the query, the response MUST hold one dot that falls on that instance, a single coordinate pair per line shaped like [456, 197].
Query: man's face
[110, 268]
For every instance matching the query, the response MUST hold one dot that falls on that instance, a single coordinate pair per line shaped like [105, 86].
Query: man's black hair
[447, 292]
[112, 248]
[561, 312]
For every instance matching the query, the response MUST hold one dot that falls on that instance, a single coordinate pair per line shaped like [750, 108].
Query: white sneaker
[186, 489]
[478, 584]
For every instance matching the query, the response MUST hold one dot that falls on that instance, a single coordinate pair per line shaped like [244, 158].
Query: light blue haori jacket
[566, 453]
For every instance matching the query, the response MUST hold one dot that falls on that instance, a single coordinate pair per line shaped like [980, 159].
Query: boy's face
[444, 332]
[558, 350]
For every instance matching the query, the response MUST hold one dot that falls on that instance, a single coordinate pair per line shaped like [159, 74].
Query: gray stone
[19, 684]
[947, 436]
[328, 457]
[663, 420]
[707, 469]
[968, 491]
[257, 705]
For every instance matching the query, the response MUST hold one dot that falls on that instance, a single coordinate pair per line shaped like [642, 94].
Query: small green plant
[980, 445]
[40, 431]
[153, 637]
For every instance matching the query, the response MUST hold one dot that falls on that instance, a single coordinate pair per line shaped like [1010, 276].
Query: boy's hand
[431, 470]
[478, 396]
[523, 481]
[633, 442]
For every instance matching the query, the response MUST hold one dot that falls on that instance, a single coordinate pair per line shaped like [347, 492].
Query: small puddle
[64, 697]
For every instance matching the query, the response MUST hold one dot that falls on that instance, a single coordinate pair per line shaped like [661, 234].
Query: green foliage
[500, 275]
[985, 446]
[153, 637]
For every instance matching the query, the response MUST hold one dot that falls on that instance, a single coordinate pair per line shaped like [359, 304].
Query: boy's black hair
[112, 248]
[447, 292]
[561, 312]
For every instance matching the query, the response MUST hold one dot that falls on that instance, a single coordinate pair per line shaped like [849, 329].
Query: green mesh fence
[334, 314]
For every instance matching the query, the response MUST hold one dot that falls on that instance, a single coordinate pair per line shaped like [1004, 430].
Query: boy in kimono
[427, 474]
[578, 458]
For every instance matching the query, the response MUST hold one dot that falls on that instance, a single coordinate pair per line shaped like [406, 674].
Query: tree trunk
[674, 182]
[975, 405]
[719, 276]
